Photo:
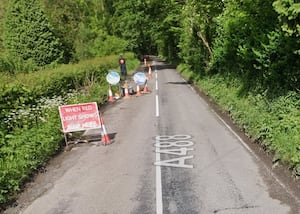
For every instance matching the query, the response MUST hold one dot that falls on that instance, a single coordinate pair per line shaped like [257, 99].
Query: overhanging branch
[202, 37]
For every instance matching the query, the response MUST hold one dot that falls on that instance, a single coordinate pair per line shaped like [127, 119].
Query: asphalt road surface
[170, 154]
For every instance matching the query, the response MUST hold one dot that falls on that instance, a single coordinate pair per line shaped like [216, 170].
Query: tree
[286, 39]
[289, 15]
[167, 28]
[199, 25]
[94, 37]
[29, 35]
[65, 16]
[131, 21]
[3, 6]
[258, 42]
[243, 32]
[83, 27]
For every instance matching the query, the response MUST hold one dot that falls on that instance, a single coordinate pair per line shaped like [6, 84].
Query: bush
[24, 152]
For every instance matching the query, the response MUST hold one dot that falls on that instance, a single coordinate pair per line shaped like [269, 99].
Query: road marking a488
[177, 145]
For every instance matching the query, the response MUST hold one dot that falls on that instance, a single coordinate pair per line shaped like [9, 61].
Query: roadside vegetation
[244, 54]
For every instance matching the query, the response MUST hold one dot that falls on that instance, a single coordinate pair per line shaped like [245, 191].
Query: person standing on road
[123, 66]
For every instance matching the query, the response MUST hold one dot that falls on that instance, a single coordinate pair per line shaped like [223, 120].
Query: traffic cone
[146, 91]
[149, 71]
[105, 137]
[138, 92]
[126, 93]
[110, 95]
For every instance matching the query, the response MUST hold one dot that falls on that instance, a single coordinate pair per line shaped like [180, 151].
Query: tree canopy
[255, 40]
[29, 35]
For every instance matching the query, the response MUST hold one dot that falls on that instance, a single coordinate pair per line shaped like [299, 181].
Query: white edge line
[157, 106]
[256, 157]
[159, 202]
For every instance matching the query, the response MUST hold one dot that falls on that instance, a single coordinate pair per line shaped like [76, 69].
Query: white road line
[159, 202]
[156, 97]
[256, 157]
[157, 106]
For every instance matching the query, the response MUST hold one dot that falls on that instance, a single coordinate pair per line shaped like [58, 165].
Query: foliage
[258, 52]
[65, 16]
[289, 15]
[146, 25]
[24, 152]
[29, 35]
[14, 64]
[130, 22]
[3, 7]
[252, 39]
[83, 29]
[167, 31]
[101, 44]
[199, 32]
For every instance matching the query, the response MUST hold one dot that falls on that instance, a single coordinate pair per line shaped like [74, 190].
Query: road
[171, 154]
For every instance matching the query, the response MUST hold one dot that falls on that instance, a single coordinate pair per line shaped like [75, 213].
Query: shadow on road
[166, 66]
[112, 135]
[179, 83]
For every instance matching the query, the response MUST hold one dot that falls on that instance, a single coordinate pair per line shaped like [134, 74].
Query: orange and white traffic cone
[138, 92]
[146, 91]
[126, 93]
[149, 71]
[105, 137]
[110, 95]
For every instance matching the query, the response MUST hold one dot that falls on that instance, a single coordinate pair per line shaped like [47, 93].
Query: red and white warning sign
[79, 117]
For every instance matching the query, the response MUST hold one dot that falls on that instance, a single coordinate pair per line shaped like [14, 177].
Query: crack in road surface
[235, 208]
